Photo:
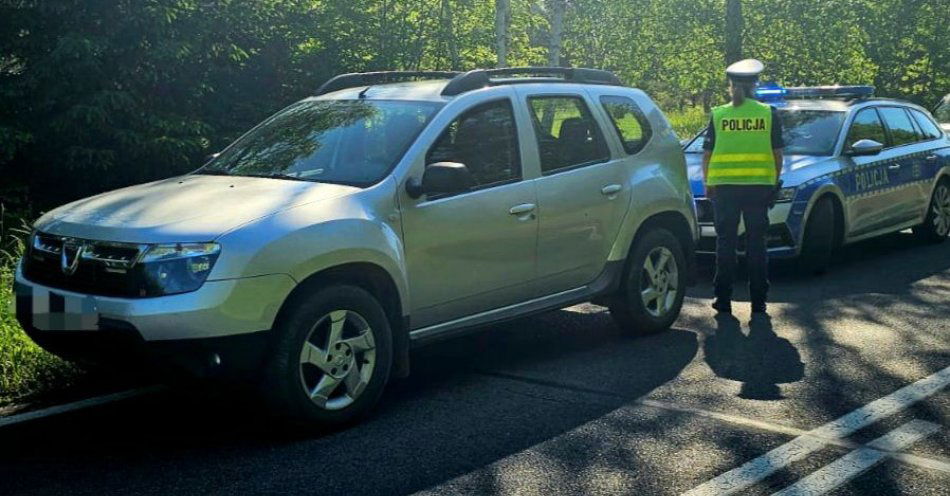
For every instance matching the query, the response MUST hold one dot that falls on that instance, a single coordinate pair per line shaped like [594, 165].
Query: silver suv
[390, 210]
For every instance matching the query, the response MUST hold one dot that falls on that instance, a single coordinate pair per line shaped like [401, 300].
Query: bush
[25, 369]
[688, 121]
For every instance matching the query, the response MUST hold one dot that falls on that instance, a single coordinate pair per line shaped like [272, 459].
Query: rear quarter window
[629, 121]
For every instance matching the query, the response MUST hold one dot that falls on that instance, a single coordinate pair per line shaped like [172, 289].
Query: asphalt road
[564, 404]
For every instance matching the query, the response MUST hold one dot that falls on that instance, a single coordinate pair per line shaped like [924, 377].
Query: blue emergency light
[772, 92]
[769, 92]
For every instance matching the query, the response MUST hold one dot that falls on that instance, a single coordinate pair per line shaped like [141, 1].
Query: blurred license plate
[53, 311]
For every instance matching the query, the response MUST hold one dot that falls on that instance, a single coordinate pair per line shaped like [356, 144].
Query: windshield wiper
[277, 175]
[208, 171]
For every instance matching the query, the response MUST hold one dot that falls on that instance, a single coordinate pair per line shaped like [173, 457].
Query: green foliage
[24, 368]
[688, 121]
[96, 94]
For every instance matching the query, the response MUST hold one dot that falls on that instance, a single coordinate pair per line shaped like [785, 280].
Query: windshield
[806, 132]
[339, 141]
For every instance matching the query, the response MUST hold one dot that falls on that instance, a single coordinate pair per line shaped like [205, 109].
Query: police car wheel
[818, 242]
[936, 224]
[653, 286]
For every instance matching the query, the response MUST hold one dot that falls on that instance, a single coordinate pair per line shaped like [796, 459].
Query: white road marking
[920, 461]
[797, 449]
[76, 405]
[855, 463]
[938, 464]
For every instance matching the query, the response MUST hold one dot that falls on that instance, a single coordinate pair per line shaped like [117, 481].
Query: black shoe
[722, 306]
[758, 308]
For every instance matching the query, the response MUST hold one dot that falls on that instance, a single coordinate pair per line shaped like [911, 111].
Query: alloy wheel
[659, 282]
[337, 359]
[941, 210]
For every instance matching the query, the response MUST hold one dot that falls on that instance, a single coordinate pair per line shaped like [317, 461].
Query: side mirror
[441, 178]
[865, 147]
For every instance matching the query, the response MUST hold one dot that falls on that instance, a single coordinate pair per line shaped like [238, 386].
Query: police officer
[742, 162]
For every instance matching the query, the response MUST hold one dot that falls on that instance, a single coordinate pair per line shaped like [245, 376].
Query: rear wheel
[654, 285]
[818, 242]
[936, 224]
[332, 358]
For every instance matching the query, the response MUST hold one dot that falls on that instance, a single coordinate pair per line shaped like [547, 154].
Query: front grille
[102, 268]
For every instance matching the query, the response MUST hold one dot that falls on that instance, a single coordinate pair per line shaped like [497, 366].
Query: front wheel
[818, 242]
[332, 357]
[936, 224]
[654, 285]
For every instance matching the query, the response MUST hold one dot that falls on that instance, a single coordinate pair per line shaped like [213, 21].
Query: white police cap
[748, 70]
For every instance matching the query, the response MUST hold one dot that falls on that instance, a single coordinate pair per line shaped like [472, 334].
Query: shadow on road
[760, 361]
[461, 409]
[888, 264]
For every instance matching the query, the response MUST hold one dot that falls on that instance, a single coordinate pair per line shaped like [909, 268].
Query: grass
[25, 369]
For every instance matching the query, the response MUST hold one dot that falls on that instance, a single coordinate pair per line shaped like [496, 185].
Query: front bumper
[224, 317]
[780, 239]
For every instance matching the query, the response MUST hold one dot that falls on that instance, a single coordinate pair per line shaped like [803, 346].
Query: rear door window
[900, 126]
[927, 126]
[629, 121]
[567, 134]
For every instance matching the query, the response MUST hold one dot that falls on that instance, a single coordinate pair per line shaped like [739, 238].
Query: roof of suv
[430, 90]
[444, 85]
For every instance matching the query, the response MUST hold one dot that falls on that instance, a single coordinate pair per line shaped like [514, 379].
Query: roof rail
[354, 79]
[480, 78]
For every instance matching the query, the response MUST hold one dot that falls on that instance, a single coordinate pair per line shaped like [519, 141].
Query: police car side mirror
[865, 147]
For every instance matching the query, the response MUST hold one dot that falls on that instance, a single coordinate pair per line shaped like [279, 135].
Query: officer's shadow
[760, 361]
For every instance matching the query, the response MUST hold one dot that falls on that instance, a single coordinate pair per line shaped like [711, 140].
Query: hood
[793, 171]
[186, 208]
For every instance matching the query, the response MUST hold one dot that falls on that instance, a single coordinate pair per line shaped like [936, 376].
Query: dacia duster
[387, 211]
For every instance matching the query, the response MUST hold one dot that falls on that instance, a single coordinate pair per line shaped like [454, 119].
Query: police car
[855, 167]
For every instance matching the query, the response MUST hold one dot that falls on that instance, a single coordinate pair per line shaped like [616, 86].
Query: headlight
[786, 194]
[178, 267]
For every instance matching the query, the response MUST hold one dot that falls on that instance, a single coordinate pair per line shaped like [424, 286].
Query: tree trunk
[556, 11]
[502, 8]
[733, 31]
[448, 28]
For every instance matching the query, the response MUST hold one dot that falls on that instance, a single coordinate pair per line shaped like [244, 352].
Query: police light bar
[769, 92]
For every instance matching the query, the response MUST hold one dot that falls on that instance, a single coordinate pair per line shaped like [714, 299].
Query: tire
[634, 311]
[818, 243]
[936, 224]
[317, 381]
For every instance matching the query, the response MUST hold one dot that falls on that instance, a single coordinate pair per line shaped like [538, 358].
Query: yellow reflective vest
[742, 153]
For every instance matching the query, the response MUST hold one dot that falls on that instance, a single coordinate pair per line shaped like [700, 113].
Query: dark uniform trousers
[751, 203]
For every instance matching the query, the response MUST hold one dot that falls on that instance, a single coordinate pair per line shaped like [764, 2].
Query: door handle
[522, 209]
[933, 157]
[895, 166]
[611, 189]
